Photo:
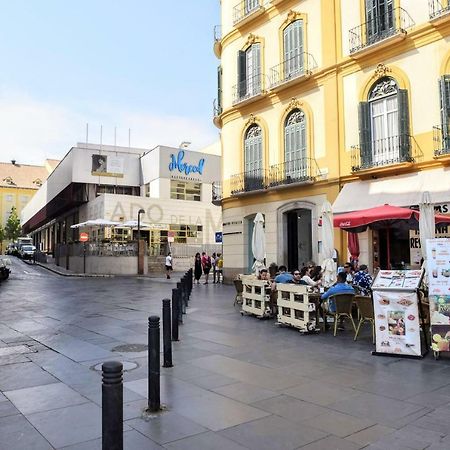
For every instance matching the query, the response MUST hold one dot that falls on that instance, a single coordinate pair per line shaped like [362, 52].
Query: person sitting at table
[264, 275]
[298, 277]
[363, 280]
[284, 276]
[316, 273]
[340, 287]
[306, 277]
[349, 272]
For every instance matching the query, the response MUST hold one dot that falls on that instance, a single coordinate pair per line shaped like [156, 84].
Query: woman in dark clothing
[198, 268]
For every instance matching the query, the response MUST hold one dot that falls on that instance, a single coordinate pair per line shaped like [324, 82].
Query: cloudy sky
[135, 64]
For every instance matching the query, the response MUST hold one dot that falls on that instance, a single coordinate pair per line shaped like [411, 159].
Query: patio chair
[344, 303]
[366, 314]
[239, 290]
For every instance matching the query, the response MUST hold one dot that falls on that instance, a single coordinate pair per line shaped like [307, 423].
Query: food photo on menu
[440, 309]
[441, 338]
[396, 323]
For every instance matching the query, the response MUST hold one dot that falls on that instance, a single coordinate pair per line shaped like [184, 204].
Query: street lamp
[141, 211]
[140, 267]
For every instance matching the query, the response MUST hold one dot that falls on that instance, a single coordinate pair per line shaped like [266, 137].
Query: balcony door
[385, 123]
[293, 49]
[380, 19]
[253, 159]
[295, 166]
[250, 5]
[249, 71]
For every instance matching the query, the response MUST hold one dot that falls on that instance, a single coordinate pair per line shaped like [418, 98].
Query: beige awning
[400, 190]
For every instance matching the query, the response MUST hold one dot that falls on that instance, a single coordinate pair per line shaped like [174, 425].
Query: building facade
[329, 100]
[172, 186]
[18, 184]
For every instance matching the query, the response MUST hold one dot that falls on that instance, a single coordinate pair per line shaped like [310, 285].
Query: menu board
[398, 279]
[438, 267]
[397, 322]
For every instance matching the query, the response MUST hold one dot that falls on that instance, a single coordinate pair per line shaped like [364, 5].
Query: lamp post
[140, 266]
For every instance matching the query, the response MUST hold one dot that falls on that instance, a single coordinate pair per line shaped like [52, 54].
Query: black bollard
[181, 304]
[175, 315]
[185, 290]
[112, 406]
[153, 364]
[167, 342]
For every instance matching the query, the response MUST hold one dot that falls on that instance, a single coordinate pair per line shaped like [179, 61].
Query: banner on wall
[397, 313]
[107, 166]
[438, 267]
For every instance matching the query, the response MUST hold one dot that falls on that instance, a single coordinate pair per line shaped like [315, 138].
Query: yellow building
[18, 183]
[339, 100]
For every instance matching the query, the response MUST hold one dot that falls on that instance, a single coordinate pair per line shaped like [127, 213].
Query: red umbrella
[353, 246]
[385, 216]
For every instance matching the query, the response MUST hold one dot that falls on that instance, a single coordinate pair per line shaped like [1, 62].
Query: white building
[173, 186]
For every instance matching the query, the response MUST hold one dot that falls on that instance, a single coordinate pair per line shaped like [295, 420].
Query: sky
[143, 65]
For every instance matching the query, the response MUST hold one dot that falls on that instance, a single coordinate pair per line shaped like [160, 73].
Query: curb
[76, 275]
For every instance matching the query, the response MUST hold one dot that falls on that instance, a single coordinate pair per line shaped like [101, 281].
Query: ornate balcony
[303, 170]
[247, 10]
[441, 142]
[438, 10]
[217, 193]
[292, 69]
[383, 153]
[385, 27]
[248, 89]
[253, 180]
[218, 40]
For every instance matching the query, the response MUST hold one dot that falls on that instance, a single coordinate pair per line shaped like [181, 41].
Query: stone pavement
[237, 383]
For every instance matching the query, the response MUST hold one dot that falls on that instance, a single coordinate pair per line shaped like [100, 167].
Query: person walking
[198, 270]
[214, 266]
[169, 267]
[206, 265]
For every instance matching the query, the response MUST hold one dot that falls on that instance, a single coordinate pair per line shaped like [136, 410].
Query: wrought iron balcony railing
[246, 8]
[217, 193]
[303, 170]
[217, 108]
[217, 33]
[441, 142]
[384, 152]
[292, 68]
[252, 180]
[437, 8]
[250, 87]
[395, 21]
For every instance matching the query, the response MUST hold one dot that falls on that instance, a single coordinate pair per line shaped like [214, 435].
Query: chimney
[13, 162]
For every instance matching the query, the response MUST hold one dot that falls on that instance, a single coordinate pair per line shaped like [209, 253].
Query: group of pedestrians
[204, 264]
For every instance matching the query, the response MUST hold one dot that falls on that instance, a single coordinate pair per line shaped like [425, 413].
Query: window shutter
[403, 126]
[444, 84]
[256, 50]
[365, 135]
[242, 75]
[219, 89]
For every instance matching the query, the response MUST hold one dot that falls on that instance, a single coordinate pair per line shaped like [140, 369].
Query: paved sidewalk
[238, 382]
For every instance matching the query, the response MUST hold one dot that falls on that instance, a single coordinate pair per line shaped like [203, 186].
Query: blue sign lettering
[177, 163]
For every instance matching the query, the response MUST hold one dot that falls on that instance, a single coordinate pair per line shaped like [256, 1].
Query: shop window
[183, 190]
[384, 125]
[147, 190]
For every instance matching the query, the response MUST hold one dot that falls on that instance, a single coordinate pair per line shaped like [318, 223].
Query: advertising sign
[438, 268]
[397, 322]
[219, 237]
[107, 166]
[398, 279]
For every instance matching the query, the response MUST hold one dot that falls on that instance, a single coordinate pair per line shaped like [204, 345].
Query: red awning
[382, 217]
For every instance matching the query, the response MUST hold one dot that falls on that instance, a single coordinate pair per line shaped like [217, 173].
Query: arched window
[295, 143]
[253, 158]
[384, 125]
[293, 49]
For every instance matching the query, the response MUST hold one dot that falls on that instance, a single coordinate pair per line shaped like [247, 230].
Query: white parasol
[426, 222]
[133, 224]
[328, 264]
[258, 243]
[96, 223]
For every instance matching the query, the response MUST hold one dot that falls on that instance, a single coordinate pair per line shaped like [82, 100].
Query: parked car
[27, 251]
[12, 249]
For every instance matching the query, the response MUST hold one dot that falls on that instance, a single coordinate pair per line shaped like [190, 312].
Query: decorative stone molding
[381, 71]
[292, 16]
[252, 39]
[294, 104]
[251, 121]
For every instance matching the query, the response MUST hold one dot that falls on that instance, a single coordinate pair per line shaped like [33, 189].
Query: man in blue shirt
[363, 280]
[341, 287]
[284, 276]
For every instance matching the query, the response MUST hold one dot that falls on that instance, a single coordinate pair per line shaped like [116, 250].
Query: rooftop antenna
[87, 134]
[101, 137]
[115, 138]
[129, 137]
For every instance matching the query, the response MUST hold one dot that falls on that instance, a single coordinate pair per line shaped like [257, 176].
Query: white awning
[400, 190]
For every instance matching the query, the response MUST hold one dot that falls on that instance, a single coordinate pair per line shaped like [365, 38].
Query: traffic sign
[219, 237]
[84, 237]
